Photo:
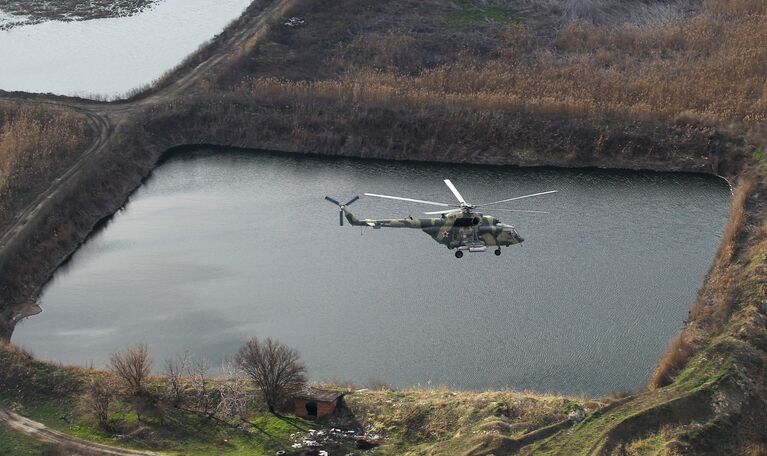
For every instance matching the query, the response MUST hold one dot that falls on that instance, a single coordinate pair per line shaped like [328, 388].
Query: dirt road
[64, 442]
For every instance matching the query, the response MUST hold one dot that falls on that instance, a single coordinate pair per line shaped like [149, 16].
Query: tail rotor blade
[352, 200]
[332, 201]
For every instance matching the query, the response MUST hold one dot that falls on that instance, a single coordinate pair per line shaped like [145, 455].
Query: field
[665, 86]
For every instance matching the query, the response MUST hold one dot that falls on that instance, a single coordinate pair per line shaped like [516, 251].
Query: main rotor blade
[518, 210]
[517, 198]
[332, 201]
[455, 191]
[399, 198]
[443, 212]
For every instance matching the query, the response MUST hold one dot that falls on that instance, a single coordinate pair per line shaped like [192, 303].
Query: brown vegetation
[35, 143]
[99, 394]
[720, 295]
[707, 68]
[24, 378]
[133, 367]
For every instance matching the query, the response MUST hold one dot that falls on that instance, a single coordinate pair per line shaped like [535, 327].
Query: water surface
[216, 248]
[109, 56]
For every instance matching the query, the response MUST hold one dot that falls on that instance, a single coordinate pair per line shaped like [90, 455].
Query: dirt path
[103, 128]
[72, 445]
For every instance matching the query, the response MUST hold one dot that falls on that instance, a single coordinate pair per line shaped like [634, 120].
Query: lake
[217, 247]
[109, 57]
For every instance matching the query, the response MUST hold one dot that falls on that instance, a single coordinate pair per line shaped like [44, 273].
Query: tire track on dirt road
[68, 443]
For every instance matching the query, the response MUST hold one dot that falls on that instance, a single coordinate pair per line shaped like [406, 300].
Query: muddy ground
[15, 13]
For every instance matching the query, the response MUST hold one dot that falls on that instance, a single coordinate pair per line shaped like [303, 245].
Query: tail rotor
[342, 206]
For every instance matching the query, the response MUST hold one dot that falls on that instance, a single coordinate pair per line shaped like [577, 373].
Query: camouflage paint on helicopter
[452, 230]
[460, 227]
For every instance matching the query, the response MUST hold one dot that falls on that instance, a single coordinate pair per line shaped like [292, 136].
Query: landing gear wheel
[497, 252]
[459, 254]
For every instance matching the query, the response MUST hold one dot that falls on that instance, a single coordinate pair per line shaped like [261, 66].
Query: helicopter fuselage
[465, 230]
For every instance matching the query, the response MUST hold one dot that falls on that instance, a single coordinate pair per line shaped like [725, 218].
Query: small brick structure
[316, 403]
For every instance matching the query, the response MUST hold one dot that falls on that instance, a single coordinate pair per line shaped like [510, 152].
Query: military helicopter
[461, 227]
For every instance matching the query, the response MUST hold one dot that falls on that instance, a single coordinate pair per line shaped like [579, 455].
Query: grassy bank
[419, 420]
[14, 443]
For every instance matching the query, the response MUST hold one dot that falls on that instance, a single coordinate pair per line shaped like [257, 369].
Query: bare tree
[197, 370]
[133, 366]
[98, 396]
[174, 370]
[276, 369]
[235, 398]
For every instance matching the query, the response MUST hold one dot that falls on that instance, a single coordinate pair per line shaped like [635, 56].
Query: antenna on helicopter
[342, 206]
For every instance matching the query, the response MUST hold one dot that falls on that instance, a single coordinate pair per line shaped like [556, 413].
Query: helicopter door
[468, 234]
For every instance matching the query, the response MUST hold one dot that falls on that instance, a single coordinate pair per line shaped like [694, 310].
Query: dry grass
[678, 352]
[34, 143]
[756, 449]
[434, 415]
[711, 67]
[22, 377]
[722, 292]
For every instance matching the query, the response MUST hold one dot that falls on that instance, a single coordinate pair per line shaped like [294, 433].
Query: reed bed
[34, 143]
[708, 68]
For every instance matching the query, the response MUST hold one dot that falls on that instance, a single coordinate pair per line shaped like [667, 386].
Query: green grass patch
[13, 443]
[760, 157]
[173, 431]
[477, 16]
[654, 444]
